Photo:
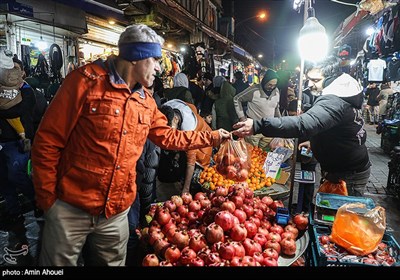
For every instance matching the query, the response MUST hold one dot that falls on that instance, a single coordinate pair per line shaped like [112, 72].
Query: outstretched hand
[223, 134]
[243, 128]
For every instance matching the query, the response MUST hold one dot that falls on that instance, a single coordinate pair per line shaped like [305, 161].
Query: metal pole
[299, 101]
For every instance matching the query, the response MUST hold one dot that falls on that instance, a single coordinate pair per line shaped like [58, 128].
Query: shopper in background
[373, 102]
[382, 97]
[334, 125]
[86, 149]
[239, 84]
[187, 118]
[180, 90]
[206, 104]
[14, 151]
[262, 102]
[207, 117]
[40, 100]
[146, 174]
[223, 111]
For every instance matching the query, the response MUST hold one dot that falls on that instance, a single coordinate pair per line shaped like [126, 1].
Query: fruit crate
[324, 214]
[340, 257]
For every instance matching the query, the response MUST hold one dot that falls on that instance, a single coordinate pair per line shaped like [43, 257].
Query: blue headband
[138, 51]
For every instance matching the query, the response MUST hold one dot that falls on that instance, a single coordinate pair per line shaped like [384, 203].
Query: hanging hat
[11, 78]
[6, 59]
[189, 120]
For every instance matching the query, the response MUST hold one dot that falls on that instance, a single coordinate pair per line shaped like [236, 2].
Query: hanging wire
[344, 3]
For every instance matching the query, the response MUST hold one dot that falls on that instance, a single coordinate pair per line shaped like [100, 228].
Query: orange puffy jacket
[91, 136]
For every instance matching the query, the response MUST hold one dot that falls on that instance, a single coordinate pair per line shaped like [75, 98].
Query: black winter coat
[334, 125]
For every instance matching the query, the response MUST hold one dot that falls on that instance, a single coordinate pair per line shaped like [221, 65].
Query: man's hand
[224, 134]
[243, 128]
[242, 119]
[306, 145]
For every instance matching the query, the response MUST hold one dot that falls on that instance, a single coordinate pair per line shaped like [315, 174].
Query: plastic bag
[336, 188]
[357, 229]
[233, 160]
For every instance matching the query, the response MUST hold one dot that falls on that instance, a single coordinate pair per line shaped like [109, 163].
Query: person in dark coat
[207, 102]
[239, 84]
[146, 173]
[334, 125]
[223, 111]
[180, 90]
[14, 156]
[373, 102]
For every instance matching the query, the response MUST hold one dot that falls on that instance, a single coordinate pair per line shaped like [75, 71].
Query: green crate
[345, 259]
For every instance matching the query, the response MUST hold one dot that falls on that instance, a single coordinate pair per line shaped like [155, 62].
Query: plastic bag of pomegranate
[358, 229]
[335, 188]
[233, 160]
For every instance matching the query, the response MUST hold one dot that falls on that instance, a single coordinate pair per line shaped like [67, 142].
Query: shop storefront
[100, 41]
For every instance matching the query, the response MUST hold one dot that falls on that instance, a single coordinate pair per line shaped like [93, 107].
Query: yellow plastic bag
[329, 187]
[357, 229]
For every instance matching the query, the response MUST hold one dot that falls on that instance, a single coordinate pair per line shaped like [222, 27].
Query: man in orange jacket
[87, 145]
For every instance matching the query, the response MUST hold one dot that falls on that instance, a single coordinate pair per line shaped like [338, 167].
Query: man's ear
[175, 122]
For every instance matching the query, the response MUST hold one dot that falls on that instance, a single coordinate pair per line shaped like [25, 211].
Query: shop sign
[26, 41]
[18, 8]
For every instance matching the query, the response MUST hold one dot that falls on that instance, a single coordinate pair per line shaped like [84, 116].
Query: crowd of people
[97, 168]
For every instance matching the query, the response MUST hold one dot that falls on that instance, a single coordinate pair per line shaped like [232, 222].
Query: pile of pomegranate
[384, 255]
[228, 227]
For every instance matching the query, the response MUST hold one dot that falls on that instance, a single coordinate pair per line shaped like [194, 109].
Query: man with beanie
[17, 101]
[262, 102]
[87, 145]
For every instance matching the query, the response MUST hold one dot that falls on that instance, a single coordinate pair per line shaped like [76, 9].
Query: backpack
[172, 166]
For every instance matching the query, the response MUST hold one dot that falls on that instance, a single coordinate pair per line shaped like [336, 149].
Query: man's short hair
[170, 113]
[139, 33]
[330, 66]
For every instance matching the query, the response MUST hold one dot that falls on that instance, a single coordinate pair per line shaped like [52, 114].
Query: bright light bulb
[313, 42]
[313, 47]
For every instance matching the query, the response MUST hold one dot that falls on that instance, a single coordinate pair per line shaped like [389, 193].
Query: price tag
[272, 164]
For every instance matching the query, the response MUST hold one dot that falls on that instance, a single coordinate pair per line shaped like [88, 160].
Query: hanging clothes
[376, 68]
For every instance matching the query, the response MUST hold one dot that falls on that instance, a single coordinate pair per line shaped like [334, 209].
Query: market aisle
[376, 187]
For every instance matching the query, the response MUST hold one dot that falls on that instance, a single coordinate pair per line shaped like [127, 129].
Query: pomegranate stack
[228, 227]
